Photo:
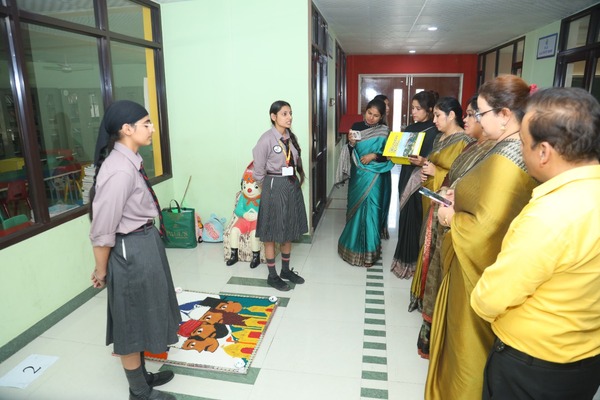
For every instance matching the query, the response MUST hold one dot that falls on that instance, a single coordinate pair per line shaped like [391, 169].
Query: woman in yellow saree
[433, 233]
[446, 147]
[485, 201]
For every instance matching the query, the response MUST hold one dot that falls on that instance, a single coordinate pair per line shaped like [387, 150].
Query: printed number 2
[33, 369]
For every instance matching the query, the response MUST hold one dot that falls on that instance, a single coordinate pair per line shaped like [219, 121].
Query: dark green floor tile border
[373, 269]
[374, 345]
[375, 376]
[377, 292]
[374, 276]
[180, 396]
[374, 393]
[374, 301]
[374, 311]
[247, 379]
[373, 321]
[45, 323]
[257, 282]
[372, 332]
[304, 239]
[375, 360]
[374, 284]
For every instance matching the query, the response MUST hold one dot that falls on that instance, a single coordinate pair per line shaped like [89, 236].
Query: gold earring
[503, 128]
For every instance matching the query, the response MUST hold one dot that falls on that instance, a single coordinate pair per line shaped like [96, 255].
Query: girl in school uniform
[282, 214]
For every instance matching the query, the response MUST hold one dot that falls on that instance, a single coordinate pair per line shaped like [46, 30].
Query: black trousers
[513, 375]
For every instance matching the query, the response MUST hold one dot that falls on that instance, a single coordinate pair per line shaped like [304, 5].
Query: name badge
[287, 171]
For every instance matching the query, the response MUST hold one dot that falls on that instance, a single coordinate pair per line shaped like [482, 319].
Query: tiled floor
[344, 334]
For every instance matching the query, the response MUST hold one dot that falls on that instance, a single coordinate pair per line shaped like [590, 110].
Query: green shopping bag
[180, 226]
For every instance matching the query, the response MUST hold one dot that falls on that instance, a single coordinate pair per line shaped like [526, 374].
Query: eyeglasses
[478, 115]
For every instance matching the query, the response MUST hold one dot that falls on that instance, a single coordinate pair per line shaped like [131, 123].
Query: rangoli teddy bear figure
[244, 221]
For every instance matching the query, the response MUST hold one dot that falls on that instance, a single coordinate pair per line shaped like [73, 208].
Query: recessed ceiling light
[432, 28]
[412, 51]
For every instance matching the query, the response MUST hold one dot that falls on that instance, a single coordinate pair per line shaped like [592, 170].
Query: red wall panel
[410, 64]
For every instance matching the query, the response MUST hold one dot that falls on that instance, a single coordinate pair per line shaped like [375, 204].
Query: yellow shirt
[542, 295]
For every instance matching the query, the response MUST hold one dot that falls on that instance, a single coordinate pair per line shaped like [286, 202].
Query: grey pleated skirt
[282, 214]
[143, 314]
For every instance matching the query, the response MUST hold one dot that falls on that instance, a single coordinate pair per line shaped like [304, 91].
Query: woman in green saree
[486, 199]
[368, 170]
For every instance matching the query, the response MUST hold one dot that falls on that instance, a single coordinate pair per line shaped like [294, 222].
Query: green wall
[540, 72]
[226, 62]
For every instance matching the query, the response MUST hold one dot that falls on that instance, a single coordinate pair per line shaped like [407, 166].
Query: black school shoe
[292, 276]
[159, 378]
[152, 395]
[277, 283]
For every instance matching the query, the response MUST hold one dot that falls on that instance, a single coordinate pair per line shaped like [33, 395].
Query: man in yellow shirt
[542, 295]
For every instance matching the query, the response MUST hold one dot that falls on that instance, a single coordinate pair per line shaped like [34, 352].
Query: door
[401, 88]
[318, 173]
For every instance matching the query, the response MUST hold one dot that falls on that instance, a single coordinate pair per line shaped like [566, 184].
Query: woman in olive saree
[433, 233]
[485, 201]
[446, 147]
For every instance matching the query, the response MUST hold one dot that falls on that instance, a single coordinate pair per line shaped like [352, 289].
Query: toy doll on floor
[244, 221]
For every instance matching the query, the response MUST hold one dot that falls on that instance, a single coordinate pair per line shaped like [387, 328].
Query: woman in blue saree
[369, 188]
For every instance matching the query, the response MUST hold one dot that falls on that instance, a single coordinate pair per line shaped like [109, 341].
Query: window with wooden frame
[505, 59]
[61, 65]
[578, 52]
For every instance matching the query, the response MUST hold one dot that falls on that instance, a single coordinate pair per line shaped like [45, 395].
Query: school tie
[162, 229]
[286, 142]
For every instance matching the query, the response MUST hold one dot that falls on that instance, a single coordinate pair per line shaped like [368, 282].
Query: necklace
[509, 135]
[370, 126]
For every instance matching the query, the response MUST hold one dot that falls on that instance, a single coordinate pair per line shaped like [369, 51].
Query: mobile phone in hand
[355, 134]
[435, 197]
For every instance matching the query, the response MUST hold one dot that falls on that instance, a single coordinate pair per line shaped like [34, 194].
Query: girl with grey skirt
[130, 257]
[282, 214]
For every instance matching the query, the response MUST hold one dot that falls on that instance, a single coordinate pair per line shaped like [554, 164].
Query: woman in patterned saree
[364, 165]
[433, 232]
[446, 147]
[486, 199]
[411, 204]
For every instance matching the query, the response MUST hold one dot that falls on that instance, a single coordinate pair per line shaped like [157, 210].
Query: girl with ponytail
[282, 213]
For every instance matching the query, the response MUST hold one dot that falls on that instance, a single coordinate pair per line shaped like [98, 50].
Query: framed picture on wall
[547, 46]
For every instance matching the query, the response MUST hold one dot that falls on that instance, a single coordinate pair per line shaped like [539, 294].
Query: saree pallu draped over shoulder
[360, 241]
[442, 155]
[487, 199]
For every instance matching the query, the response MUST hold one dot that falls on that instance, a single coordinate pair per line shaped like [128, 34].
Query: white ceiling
[464, 26]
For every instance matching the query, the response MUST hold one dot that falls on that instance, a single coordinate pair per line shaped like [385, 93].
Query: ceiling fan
[67, 68]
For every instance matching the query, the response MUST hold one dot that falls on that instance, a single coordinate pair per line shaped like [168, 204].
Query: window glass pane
[78, 11]
[65, 87]
[130, 19]
[578, 30]
[133, 68]
[596, 82]
[505, 61]
[490, 66]
[575, 74]
[520, 50]
[15, 210]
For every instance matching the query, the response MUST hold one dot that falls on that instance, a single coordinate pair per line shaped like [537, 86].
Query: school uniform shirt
[122, 202]
[542, 295]
[270, 153]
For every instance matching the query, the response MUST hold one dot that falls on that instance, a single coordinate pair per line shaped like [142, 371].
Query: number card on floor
[27, 371]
